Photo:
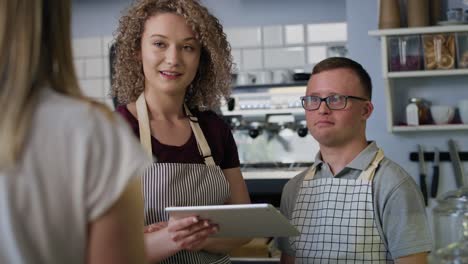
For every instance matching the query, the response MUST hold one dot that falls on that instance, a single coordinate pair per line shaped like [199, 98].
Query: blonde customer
[68, 191]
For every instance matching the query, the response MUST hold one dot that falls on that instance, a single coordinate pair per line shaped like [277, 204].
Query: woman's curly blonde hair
[213, 79]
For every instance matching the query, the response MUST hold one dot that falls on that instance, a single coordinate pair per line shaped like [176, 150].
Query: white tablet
[241, 220]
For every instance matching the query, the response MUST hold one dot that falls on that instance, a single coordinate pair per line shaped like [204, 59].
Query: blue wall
[96, 18]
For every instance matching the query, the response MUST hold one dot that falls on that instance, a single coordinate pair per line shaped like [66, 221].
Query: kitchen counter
[255, 260]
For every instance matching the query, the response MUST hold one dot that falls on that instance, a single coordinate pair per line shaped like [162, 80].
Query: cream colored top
[75, 165]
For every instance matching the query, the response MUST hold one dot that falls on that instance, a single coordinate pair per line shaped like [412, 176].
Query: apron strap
[311, 173]
[369, 173]
[143, 124]
[202, 144]
[145, 131]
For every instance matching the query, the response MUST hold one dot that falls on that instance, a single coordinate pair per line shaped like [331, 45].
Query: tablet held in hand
[241, 220]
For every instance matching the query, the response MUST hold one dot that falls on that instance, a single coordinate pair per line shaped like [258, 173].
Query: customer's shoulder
[67, 114]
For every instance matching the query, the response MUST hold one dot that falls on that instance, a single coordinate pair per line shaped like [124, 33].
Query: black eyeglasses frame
[326, 100]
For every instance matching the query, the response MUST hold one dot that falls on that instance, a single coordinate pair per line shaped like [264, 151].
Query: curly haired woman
[173, 65]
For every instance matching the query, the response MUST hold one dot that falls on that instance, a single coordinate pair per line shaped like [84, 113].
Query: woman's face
[170, 53]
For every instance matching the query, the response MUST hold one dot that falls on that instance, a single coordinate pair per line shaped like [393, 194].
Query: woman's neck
[162, 106]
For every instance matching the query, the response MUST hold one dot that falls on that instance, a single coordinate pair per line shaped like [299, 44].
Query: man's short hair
[345, 63]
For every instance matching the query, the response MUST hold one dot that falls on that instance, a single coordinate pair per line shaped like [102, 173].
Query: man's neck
[337, 157]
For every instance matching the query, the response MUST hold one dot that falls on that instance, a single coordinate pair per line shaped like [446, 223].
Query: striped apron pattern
[336, 220]
[177, 184]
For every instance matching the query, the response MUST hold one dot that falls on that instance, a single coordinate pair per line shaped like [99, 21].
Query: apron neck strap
[143, 124]
[311, 172]
[367, 175]
[145, 131]
[202, 144]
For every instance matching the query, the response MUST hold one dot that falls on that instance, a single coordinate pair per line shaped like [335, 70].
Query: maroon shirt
[217, 134]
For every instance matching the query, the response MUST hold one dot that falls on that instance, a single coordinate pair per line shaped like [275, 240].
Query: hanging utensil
[456, 163]
[435, 175]
[422, 174]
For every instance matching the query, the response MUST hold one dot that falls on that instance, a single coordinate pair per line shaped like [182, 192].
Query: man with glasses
[353, 205]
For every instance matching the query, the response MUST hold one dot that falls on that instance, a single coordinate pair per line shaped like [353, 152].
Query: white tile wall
[236, 56]
[252, 59]
[91, 58]
[273, 36]
[80, 68]
[106, 43]
[106, 87]
[330, 32]
[87, 47]
[316, 53]
[106, 67]
[94, 67]
[284, 57]
[283, 46]
[294, 34]
[93, 88]
[244, 37]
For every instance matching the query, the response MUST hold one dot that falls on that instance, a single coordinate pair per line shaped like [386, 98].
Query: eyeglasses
[334, 102]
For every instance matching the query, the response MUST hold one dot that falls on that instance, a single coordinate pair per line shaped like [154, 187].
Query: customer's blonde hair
[35, 51]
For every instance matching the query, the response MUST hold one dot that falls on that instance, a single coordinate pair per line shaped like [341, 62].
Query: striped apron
[178, 184]
[336, 220]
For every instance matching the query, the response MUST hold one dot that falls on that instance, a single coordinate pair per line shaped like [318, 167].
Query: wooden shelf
[418, 30]
[391, 76]
[430, 128]
[427, 73]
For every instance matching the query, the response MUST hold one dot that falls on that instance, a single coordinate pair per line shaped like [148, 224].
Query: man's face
[334, 128]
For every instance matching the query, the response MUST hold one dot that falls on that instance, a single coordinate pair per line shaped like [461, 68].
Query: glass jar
[439, 51]
[462, 45]
[405, 53]
[418, 112]
[456, 253]
[451, 228]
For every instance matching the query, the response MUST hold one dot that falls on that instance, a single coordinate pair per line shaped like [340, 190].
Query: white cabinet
[398, 79]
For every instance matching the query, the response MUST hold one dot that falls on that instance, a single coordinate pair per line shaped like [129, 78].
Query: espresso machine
[268, 124]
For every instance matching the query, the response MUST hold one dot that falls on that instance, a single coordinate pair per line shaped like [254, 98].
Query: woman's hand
[154, 227]
[190, 233]
[165, 239]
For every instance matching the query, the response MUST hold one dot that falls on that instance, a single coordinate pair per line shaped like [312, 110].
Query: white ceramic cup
[463, 110]
[455, 15]
[442, 114]
[282, 76]
[264, 77]
[245, 78]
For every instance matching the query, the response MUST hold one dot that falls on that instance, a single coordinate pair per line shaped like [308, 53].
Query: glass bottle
[451, 228]
[417, 112]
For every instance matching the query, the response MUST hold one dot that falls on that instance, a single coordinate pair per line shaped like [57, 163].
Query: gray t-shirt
[398, 204]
